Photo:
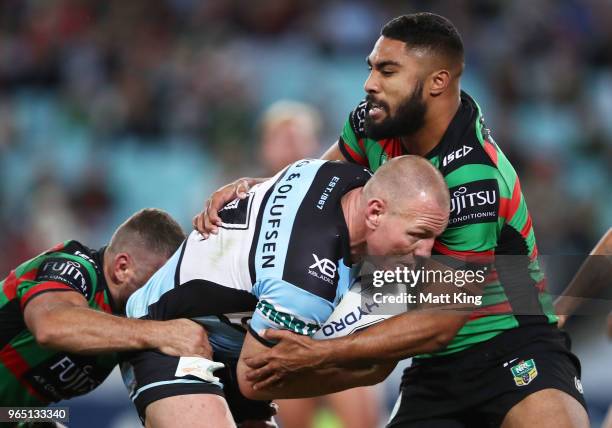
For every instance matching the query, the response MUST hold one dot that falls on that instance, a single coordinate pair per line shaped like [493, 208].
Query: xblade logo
[325, 266]
[474, 202]
[462, 152]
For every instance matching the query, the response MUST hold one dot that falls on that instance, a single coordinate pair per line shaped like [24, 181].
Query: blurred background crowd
[110, 106]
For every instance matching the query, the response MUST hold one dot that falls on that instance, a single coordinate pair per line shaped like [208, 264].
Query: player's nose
[371, 85]
[424, 247]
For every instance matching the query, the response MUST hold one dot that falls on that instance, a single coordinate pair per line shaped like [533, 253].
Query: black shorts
[149, 376]
[478, 386]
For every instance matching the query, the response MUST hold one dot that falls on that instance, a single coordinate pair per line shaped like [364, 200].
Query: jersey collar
[465, 116]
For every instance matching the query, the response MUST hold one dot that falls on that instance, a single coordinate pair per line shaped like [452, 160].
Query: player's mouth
[376, 110]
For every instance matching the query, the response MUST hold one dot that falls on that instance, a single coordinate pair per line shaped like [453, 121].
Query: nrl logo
[524, 372]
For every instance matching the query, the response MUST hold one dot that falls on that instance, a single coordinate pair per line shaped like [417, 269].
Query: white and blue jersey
[281, 260]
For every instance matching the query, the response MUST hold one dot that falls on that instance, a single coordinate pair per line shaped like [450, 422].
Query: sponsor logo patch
[459, 153]
[326, 269]
[66, 271]
[524, 372]
[474, 202]
[64, 376]
[288, 321]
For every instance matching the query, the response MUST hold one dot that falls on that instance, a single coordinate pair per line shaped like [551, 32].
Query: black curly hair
[426, 31]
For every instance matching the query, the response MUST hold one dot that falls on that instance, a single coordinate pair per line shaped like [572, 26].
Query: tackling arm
[334, 153]
[64, 321]
[385, 343]
[425, 330]
[399, 337]
[208, 220]
[587, 282]
[310, 383]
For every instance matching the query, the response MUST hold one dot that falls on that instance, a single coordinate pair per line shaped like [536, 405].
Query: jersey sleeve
[351, 141]
[284, 306]
[57, 272]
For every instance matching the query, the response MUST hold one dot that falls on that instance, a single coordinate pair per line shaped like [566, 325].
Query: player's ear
[122, 267]
[375, 209]
[439, 81]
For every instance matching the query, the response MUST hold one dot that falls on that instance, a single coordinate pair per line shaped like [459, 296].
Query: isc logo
[456, 155]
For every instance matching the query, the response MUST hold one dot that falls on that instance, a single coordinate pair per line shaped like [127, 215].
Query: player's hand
[183, 338]
[208, 220]
[293, 353]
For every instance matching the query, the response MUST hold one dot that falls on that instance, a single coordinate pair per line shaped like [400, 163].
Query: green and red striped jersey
[31, 375]
[489, 223]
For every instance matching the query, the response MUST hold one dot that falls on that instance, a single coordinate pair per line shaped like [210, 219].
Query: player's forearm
[586, 284]
[333, 153]
[590, 278]
[318, 382]
[87, 331]
[395, 339]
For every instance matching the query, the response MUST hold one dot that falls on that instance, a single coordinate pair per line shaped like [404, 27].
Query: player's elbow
[49, 331]
[441, 339]
[445, 333]
[45, 335]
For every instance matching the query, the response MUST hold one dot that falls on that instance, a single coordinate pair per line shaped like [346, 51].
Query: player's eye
[417, 236]
[387, 72]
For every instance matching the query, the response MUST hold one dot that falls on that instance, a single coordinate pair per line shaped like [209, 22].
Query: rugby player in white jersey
[282, 260]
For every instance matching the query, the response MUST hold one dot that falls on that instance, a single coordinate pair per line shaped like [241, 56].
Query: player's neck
[353, 210]
[437, 121]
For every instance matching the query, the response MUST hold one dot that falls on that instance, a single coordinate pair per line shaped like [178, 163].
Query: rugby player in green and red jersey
[504, 364]
[59, 329]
